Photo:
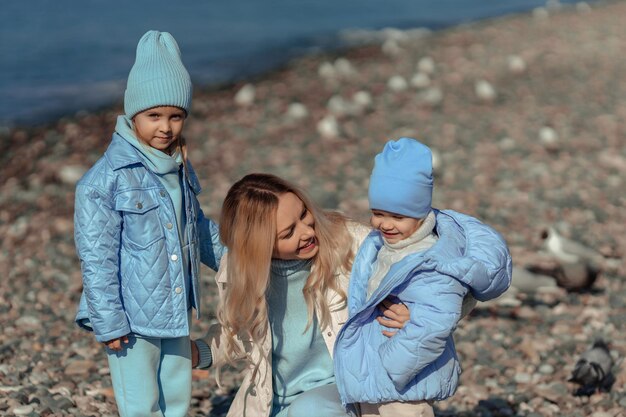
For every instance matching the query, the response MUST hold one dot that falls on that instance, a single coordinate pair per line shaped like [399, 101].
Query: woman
[282, 289]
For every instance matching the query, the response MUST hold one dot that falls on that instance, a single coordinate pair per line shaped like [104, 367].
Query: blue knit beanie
[402, 180]
[158, 77]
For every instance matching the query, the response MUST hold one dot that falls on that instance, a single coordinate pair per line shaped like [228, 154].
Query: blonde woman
[282, 292]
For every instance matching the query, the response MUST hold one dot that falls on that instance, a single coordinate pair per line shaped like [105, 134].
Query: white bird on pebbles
[529, 282]
[568, 250]
[578, 265]
[523, 281]
[507, 300]
[245, 96]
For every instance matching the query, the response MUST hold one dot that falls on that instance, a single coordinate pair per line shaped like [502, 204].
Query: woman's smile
[295, 226]
[308, 246]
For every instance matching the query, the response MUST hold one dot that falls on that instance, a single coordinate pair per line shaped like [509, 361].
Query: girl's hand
[116, 344]
[195, 355]
[395, 314]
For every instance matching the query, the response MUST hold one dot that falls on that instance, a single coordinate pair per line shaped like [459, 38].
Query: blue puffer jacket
[127, 240]
[419, 362]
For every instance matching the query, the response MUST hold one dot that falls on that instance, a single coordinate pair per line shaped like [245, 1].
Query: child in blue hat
[435, 262]
[140, 234]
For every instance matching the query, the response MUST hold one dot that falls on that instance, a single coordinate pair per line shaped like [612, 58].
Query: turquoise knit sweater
[300, 360]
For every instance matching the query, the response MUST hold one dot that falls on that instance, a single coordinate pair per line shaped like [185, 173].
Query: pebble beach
[526, 117]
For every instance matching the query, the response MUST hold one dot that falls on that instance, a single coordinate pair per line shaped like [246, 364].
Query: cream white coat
[254, 398]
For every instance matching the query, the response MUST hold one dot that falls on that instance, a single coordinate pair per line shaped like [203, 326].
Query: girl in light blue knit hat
[434, 262]
[140, 234]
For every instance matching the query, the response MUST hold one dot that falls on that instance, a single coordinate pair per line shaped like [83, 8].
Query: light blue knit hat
[158, 77]
[402, 179]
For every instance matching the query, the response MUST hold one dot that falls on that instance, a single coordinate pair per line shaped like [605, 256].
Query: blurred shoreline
[53, 68]
[527, 119]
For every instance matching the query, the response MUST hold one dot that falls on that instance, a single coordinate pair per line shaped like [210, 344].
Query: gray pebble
[546, 369]
[64, 403]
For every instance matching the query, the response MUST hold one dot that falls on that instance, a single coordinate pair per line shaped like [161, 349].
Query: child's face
[160, 127]
[394, 227]
[295, 229]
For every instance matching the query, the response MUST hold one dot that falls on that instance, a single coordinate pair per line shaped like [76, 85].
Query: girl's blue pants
[152, 377]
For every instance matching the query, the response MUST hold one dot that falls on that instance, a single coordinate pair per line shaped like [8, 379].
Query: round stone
[522, 378]
[546, 369]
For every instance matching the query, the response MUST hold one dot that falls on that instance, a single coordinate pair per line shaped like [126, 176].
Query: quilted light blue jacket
[419, 362]
[129, 248]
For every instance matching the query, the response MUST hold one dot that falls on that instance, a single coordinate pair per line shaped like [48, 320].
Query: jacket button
[162, 193]
[178, 290]
[169, 225]
[139, 205]
[174, 257]
[329, 334]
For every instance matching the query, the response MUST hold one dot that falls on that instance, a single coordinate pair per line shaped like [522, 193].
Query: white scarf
[423, 238]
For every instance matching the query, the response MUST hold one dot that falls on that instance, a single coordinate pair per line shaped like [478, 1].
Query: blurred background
[522, 103]
[62, 57]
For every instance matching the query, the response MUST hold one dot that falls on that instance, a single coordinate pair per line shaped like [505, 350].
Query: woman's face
[295, 229]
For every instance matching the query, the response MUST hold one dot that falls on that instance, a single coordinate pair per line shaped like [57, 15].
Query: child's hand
[195, 355]
[394, 315]
[116, 344]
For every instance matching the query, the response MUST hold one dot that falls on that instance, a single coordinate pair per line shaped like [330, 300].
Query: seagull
[578, 266]
[567, 250]
[529, 282]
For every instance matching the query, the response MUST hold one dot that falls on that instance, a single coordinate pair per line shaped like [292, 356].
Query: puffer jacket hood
[473, 253]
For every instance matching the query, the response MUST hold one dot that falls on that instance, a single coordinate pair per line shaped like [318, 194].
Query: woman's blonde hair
[248, 229]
